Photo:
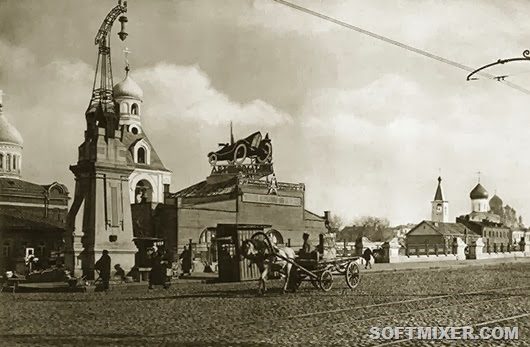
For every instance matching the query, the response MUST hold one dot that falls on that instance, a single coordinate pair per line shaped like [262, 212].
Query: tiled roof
[18, 217]
[9, 185]
[205, 189]
[313, 216]
[448, 229]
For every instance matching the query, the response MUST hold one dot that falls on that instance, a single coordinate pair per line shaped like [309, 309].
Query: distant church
[484, 220]
[32, 216]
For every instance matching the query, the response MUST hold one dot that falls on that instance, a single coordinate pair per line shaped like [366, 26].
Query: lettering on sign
[272, 199]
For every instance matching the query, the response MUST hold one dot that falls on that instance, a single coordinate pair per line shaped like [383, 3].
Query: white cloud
[185, 92]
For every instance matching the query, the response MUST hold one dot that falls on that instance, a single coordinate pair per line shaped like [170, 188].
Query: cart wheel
[326, 280]
[352, 275]
[262, 236]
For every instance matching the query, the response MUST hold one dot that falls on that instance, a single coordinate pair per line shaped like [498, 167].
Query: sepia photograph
[264, 173]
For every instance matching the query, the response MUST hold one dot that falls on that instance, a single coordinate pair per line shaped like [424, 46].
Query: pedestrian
[156, 269]
[120, 273]
[186, 260]
[305, 251]
[367, 255]
[103, 266]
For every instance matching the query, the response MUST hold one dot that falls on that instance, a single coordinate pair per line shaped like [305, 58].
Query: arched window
[141, 155]
[134, 109]
[1, 161]
[143, 192]
[15, 162]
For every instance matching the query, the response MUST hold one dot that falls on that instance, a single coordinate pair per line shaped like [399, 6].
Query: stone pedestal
[100, 216]
[391, 251]
[476, 249]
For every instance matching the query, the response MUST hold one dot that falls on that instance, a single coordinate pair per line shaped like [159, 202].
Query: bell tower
[100, 216]
[440, 207]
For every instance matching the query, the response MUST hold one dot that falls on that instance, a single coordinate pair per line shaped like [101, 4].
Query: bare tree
[336, 222]
[374, 228]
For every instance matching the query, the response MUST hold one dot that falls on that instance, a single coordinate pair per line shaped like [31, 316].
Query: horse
[258, 252]
[362, 262]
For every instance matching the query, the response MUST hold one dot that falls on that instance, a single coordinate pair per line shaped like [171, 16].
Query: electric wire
[399, 44]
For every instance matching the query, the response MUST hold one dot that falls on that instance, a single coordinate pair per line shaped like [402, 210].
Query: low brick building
[32, 216]
[236, 200]
[430, 237]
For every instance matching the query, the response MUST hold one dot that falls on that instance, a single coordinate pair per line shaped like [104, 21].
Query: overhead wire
[399, 44]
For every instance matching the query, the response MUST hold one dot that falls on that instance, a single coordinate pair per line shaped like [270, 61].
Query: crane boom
[104, 29]
[101, 109]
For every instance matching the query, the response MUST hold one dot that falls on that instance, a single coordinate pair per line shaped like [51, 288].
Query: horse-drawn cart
[320, 272]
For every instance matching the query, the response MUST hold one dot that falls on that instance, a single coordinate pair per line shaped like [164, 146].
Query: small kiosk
[232, 266]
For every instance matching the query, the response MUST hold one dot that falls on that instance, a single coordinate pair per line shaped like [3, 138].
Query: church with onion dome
[150, 178]
[487, 219]
[32, 216]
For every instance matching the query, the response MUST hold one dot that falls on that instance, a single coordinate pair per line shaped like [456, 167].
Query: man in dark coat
[186, 261]
[103, 266]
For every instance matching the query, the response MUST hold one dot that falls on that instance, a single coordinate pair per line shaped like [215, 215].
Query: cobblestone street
[225, 314]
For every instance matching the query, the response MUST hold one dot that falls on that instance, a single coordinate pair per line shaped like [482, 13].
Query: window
[134, 109]
[6, 249]
[15, 162]
[141, 155]
[134, 129]
[114, 206]
[1, 161]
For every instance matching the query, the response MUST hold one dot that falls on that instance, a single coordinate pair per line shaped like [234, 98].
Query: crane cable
[397, 43]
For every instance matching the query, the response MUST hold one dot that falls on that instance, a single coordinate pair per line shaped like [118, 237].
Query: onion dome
[8, 133]
[479, 192]
[128, 89]
[496, 201]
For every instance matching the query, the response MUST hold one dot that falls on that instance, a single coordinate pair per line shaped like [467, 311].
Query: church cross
[126, 54]
[478, 173]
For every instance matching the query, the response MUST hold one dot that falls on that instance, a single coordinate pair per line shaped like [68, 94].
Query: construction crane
[101, 110]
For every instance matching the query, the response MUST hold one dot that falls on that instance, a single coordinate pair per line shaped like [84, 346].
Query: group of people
[157, 276]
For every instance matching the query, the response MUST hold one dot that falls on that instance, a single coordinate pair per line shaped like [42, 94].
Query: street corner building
[243, 191]
[32, 216]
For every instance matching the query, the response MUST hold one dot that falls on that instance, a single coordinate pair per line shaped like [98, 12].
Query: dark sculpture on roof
[254, 147]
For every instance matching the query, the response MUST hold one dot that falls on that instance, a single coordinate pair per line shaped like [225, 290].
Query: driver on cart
[306, 250]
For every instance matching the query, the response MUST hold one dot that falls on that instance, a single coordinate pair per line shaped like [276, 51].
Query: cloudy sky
[365, 125]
